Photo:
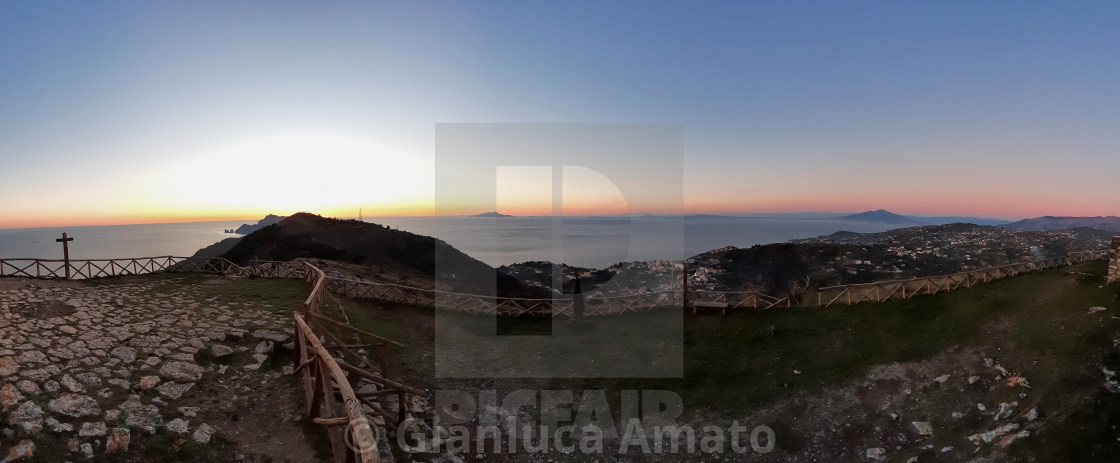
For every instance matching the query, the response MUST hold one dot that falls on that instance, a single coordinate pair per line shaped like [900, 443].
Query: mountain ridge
[879, 216]
[1106, 223]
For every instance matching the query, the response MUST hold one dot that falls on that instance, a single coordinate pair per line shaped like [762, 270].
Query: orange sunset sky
[159, 112]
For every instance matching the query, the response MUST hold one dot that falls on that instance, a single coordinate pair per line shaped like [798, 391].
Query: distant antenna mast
[360, 215]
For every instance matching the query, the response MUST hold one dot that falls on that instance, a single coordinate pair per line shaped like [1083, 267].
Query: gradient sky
[124, 112]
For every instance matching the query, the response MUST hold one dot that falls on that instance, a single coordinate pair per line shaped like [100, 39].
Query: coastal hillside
[246, 229]
[413, 256]
[846, 257]
[217, 249]
[1110, 223]
[839, 258]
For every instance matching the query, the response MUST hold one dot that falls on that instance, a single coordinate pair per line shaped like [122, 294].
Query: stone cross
[66, 252]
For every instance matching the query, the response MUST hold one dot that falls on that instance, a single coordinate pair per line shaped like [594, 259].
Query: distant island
[491, 214]
[246, 229]
[879, 216]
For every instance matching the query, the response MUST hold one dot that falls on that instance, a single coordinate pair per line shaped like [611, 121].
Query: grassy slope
[1036, 321]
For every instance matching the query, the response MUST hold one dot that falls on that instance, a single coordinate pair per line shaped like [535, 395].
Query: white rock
[74, 405]
[203, 434]
[265, 347]
[28, 387]
[178, 426]
[173, 390]
[181, 371]
[72, 384]
[1005, 410]
[923, 427]
[27, 416]
[92, 429]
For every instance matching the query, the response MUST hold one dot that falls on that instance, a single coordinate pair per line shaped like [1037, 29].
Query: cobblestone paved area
[118, 371]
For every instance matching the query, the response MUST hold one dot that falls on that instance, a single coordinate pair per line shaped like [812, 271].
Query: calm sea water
[601, 242]
[582, 241]
[106, 242]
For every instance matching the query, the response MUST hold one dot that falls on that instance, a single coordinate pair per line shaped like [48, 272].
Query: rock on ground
[74, 405]
[203, 434]
[181, 371]
[118, 440]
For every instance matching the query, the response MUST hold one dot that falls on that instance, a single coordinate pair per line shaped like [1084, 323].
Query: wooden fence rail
[513, 307]
[334, 364]
[331, 400]
[905, 289]
[500, 306]
[351, 433]
[563, 305]
[100, 268]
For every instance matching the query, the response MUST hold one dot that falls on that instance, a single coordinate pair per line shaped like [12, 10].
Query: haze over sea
[586, 241]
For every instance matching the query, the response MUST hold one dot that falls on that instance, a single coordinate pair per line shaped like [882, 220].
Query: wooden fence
[351, 433]
[501, 306]
[562, 305]
[904, 289]
[80, 269]
[730, 300]
[331, 381]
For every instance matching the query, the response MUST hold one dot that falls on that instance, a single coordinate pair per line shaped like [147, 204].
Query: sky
[132, 112]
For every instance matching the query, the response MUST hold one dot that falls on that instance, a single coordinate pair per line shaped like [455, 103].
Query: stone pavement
[102, 367]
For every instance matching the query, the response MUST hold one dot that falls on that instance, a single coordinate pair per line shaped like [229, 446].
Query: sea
[595, 242]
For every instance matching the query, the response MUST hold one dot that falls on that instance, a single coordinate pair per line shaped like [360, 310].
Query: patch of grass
[746, 359]
[282, 294]
[1035, 324]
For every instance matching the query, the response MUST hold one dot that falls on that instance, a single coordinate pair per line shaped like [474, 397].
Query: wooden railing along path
[561, 305]
[100, 268]
[883, 291]
[327, 384]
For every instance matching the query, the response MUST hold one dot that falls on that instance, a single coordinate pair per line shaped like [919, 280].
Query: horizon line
[630, 214]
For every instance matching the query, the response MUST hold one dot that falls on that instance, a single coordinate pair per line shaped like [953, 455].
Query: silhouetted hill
[879, 216]
[843, 235]
[246, 229]
[491, 214]
[310, 236]
[217, 249]
[1110, 223]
